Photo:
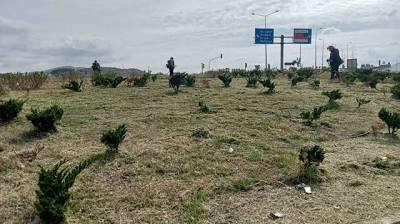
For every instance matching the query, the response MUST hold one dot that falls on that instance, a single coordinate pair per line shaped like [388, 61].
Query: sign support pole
[282, 50]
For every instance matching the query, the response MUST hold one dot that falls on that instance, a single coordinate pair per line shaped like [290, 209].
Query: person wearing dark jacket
[171, 66]
[96, 66]
[334, 61]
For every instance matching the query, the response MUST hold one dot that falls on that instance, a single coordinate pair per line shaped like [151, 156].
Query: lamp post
[347, 54]
[265, 19]
[213, 59]
[322, 52]
[316, 43]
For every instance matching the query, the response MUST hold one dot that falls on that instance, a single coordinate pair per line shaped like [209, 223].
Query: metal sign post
[266, 36]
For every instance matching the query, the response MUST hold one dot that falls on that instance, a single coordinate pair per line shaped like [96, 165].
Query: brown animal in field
[206, 84]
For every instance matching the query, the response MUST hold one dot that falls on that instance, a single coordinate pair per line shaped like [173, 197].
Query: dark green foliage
[315, 84]
[113, 138]
[361, 102]
[237, 73]
[154, 78]
[52, 196]
[392, 120]
[45, 120]
[315, 114]
[312, 155]
[200, 133]
[243, 184]
[109, 79]
[141, 81]
[226, 78]
[203, 107]
[349, 77]
[396, 76]
[252, 77]
[176, 80]
[268, 84]
[395, 90]
[190, 80]
[296, 80]
[74, 86]
[333, 95]
[10, 109]
[371, 77]
[311, 158]
[269, 73]
[305, 73]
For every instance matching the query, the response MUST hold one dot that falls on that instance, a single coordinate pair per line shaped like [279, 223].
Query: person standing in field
[171, 66]
[334, 61]
[96, 66]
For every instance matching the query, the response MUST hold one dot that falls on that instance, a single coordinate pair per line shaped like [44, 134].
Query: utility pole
[322, 53]
[282, 50]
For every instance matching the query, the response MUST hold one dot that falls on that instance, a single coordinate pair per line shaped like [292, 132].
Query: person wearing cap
[334, 61]
[171, 66]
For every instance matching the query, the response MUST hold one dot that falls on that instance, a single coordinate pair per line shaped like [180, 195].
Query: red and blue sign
[302, 36]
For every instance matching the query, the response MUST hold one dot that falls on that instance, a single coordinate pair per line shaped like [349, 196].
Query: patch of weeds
[244, 184]
[356, 183]
[200, 133]
[195, 208]
[389, 164]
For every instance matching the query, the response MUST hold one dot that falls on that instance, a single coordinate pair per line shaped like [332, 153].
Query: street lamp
[322, 56]
[316, 43]
[265, 19]
[213, 59]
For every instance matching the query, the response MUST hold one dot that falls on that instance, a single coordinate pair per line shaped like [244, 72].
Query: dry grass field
[163, 175]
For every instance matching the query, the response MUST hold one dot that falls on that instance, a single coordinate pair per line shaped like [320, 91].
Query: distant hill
[87, 71]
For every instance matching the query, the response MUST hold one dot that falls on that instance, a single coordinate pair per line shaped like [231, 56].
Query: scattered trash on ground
[306, 188]
[277, 215]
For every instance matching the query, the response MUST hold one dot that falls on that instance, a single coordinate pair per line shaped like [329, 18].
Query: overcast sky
[41, 34]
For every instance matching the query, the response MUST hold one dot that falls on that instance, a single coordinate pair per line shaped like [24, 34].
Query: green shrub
[371, 77]
[237, 73]
[45, 120]
[154, 78]
[315, 114]
[141, 81]
[349, 77]
[109, 79]
[361, 102]
[268, 84]
[270, 74]
[305, 73]
[226, 78]
[190, 80]
[315, 84]
[176, 80]
[53, 194]
[203, 107]
[252, 77]
[296, 80]
[200, 133]
[10, 109]
[113, 138]
[243, 184]
[311, 158]
[333, 95]
[395, 90]
[392, 120]
[74, 86]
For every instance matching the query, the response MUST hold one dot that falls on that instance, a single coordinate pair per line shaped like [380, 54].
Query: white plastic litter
[277, 215]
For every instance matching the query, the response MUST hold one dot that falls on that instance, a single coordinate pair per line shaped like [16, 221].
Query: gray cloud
[142, 33]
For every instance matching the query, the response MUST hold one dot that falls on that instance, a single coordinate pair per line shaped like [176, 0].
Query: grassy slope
[162, 175]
